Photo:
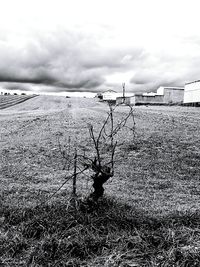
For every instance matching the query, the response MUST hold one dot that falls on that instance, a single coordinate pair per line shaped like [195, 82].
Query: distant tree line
[6, 93]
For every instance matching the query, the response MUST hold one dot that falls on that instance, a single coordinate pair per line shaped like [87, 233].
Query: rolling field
[11, 100]
[150, 213]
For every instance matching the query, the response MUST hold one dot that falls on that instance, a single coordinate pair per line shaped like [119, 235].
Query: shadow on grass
[105, 234]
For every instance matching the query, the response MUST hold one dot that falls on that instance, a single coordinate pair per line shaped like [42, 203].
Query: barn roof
[173, 87]
[193, 82]
[109, 91]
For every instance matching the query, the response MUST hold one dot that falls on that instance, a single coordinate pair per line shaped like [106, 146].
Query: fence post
[75, 174]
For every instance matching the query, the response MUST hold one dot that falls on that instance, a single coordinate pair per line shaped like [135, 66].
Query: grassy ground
[11, 100]
[150, 213]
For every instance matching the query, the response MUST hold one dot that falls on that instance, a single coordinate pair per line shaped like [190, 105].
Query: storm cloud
[93, 47]
[64, 60]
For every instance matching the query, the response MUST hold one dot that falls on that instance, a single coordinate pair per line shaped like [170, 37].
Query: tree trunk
[99, 179]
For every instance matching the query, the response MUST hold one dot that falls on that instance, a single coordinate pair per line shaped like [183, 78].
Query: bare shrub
[99, 160]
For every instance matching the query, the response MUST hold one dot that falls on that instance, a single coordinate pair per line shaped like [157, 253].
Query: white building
[192, 92]
[171, 94]
[109, 95]
[149, 94]
[112, 95]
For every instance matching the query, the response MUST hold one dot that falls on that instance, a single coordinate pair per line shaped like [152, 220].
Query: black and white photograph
[99, 133]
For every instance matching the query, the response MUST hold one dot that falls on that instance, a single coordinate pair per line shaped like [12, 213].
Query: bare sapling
[117, 129]
[105, 143]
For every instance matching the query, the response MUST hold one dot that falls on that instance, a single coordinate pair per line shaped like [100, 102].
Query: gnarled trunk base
[99, 179]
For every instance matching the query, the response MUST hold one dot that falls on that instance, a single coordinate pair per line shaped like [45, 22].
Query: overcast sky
[90, 45]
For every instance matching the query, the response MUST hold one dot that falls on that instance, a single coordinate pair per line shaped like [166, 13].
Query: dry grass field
[150, 213]
[11, 100]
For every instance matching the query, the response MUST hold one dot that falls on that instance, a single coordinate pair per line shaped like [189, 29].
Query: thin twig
[66, 180]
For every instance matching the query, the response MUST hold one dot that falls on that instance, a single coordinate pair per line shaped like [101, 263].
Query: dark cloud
[16, 86]
[112, 59]
[63, 60]
[151, 80]
[165, 68]
[35, 79]
[53, 60]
